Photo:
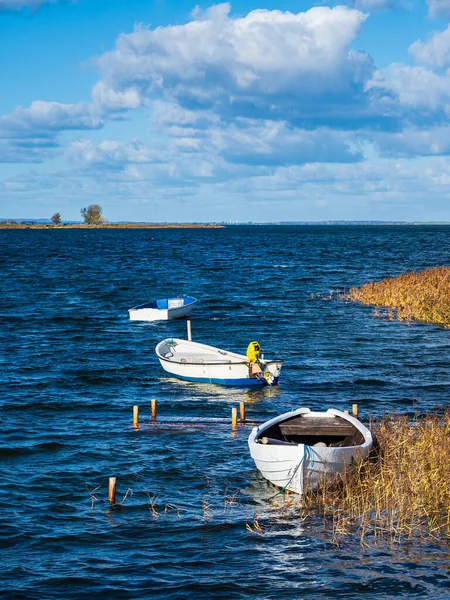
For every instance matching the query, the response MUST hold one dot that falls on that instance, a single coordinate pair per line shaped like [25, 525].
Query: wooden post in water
[136, 416]
[355, 410]
[112, 490]
[345, 412]
[234, 418]
[242, 410]
[189, 332]
[153, 405]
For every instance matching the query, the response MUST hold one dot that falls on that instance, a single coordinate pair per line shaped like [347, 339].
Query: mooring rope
[307, 452]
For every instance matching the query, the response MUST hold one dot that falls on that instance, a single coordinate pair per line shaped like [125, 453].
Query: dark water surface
[72, 365]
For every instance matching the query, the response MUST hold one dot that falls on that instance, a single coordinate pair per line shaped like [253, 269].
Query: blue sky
[250, 111]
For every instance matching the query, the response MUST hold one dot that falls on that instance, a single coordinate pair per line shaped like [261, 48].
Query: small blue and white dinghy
[303, 449]
[206, 364]
[163, 309]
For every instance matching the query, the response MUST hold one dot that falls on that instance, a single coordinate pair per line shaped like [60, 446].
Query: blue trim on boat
[246, 382]
[163, 303]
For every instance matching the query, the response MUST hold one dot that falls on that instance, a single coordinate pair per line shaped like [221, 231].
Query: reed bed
[401, 493]
[416, 296]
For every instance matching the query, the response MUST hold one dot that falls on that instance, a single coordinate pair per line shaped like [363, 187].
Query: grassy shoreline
[402, 493]
[112, 226]
[417, 296]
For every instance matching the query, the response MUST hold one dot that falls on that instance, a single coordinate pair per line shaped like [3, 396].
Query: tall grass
[416, 296]
[402, 492]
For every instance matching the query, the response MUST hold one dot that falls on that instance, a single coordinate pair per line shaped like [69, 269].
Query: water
[72, 365]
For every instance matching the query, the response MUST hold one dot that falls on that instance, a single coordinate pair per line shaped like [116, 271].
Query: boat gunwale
[256, 433]
[145, 306]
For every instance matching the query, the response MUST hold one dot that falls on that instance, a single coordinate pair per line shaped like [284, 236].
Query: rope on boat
[308, 452]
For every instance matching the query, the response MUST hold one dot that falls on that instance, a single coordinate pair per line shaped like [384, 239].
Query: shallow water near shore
[197, 522]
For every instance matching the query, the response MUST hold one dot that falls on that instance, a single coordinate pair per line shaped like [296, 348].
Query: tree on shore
[56, 219]
[92, 215]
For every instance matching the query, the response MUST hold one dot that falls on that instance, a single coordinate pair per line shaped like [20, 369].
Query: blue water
[72, 365]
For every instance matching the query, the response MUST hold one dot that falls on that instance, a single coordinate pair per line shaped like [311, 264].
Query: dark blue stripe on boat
[247, 382]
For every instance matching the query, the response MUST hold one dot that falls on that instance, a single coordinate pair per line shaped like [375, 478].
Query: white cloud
[412, 88]
[30, 134]
[435, 52]
[265, 61]
[108, 99]
[110, 153]
[275, 142]
[48, 117]
[439, 8]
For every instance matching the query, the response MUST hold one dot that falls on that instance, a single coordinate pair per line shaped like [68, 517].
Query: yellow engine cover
[253, 351]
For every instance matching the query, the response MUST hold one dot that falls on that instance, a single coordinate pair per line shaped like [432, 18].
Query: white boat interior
[327, 430]
[166, 303]
[184, 351]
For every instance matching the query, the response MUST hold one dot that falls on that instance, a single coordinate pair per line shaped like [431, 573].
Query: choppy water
[72, 366]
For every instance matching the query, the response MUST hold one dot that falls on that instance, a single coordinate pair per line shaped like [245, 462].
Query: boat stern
[272, 371]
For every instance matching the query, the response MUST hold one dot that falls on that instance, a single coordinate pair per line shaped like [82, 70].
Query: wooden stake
[355, 410]
[234, 418]
[112, 490]
[242, 410]
[153, 404]
[345, 412]
[136, 416]
[189, 332]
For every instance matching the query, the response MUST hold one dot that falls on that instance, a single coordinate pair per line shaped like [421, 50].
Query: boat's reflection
[218, 393]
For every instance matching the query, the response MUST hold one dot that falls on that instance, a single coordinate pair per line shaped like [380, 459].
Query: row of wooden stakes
[234, 419]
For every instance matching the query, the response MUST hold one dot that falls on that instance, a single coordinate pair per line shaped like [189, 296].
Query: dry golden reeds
[416, 296]
[402, 492]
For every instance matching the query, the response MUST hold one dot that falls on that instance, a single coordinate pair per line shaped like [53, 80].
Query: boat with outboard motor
[163, 309]
[303, 449]
[206, 364]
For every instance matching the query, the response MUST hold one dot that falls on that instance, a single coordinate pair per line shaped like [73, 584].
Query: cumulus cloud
[435, 52]
[47, 117]
[413, 93]
[111, 154]
[267, 61]
[276, 143]
[108, 99]
[29, 134]
[25, 130]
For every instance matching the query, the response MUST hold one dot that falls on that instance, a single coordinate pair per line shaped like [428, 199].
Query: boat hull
[155, 314]
[297, 467]
[175, 308]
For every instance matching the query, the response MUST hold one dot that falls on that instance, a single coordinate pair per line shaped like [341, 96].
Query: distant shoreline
[111, 226]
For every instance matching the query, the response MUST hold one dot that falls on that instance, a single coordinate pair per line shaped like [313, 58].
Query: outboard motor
[253, 351]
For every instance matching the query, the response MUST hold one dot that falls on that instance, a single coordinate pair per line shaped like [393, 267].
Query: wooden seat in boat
[332, 426]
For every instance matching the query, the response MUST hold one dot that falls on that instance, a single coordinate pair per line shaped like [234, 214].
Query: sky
[255, 110]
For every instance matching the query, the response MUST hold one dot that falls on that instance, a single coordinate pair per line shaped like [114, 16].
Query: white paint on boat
[297, 466]
[163, 309]
[206, 364]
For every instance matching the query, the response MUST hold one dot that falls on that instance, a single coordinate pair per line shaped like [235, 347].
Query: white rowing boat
[302, 449]
[163, 309]
[206, 364]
